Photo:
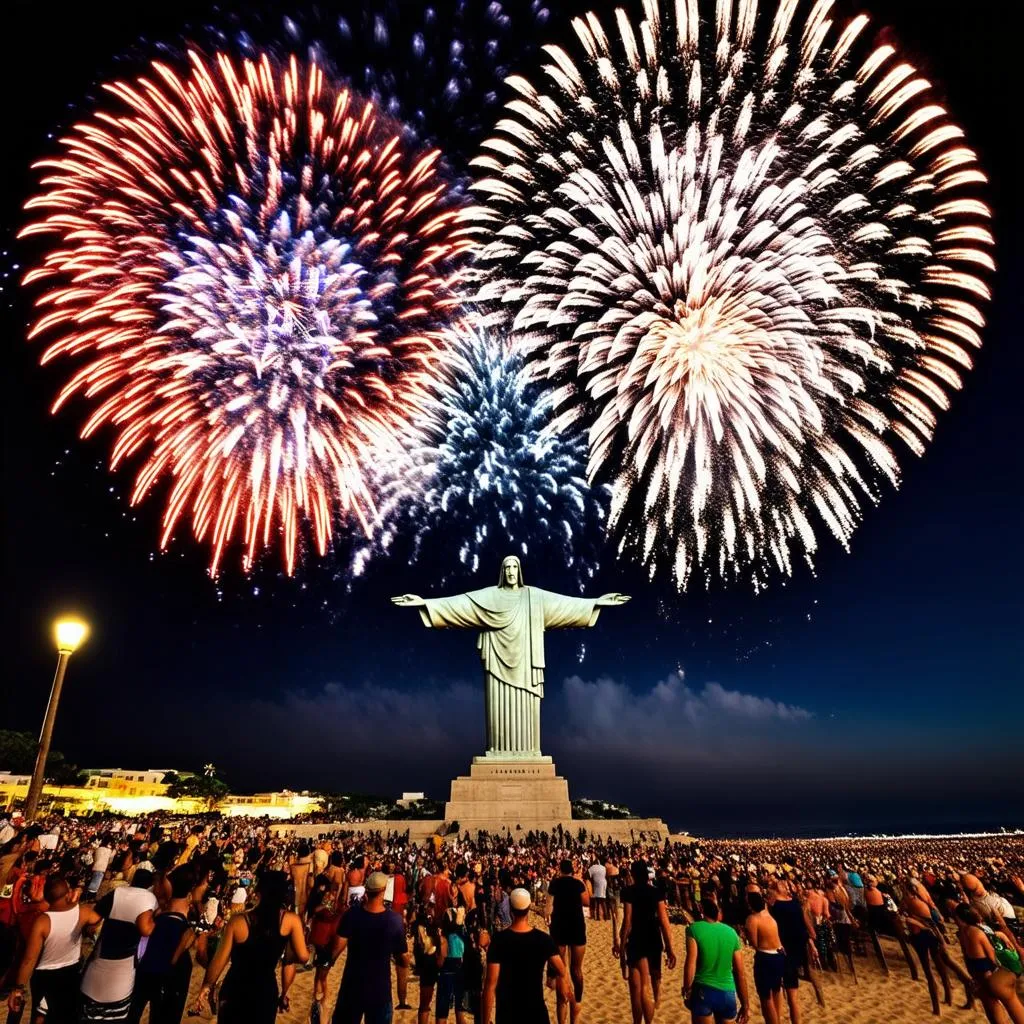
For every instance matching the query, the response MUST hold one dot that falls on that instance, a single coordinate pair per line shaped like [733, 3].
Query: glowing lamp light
[70, 633]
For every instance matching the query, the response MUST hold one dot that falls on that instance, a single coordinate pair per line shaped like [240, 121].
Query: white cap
[519, 899]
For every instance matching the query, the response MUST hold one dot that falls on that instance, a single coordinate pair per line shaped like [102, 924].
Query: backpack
[8, 910]
[1006, 955]
[424, 941]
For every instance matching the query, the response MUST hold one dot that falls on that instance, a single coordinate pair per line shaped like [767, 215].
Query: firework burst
[742, 246]
[252, 271]
[482, 473]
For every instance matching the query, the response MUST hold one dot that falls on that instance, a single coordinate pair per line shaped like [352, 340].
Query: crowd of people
[104, 919]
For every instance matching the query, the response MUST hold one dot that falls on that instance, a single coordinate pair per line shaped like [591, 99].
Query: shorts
[322, 956]
[451, 990]
[427, 970]
[791, 971]
[925, 942]
[471, 1003]
[573, 935]
[652, 956]
[713, 1002]
[349, 1012]
[58, 988]
[769, 970]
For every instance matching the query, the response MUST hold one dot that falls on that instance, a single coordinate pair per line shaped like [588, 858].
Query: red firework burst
[251, 271]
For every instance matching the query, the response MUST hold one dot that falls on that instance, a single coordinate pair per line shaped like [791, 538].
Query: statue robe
[511, 646]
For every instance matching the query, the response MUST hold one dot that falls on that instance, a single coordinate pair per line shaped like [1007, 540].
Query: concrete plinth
[500, 793]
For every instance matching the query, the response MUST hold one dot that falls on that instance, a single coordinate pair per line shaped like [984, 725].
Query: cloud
[737, 760]
[668, 718]
[747, 705]
[360, 720]
[385, 738]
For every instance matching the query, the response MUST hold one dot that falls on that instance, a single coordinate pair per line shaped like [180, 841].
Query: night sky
[884, 691]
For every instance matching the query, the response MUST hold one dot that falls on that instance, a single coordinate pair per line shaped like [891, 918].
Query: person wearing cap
[516, 960]
[374, 936]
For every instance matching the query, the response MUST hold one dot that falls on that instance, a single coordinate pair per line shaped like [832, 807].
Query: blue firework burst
[486, 472]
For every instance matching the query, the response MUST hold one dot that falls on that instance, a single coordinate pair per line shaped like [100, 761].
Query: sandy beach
[875, 999]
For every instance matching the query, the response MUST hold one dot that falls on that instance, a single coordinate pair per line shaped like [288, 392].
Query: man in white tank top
[52, 955]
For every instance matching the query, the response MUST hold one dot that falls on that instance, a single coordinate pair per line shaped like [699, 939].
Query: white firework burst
[742, 246]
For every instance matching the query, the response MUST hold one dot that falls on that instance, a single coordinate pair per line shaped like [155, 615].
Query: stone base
[503, 793]
[419, 829]
[523, 794]
[511, 792]
[623, 830]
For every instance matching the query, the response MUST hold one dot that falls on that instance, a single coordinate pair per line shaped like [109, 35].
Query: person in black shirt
[645, 933]
[515, 970]
[567, 896]
[473, 968]
[796, 931]
[165, 969]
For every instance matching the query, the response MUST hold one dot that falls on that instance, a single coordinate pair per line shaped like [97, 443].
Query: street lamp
[69, 634]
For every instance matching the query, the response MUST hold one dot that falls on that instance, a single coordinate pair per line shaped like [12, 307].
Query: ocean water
[842, 830]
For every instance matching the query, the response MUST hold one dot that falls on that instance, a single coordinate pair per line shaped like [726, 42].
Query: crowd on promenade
[104, 919]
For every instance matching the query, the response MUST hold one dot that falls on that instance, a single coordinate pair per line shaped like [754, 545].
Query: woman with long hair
[254, 942]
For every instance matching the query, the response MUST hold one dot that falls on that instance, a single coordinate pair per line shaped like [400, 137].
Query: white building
[408, 799]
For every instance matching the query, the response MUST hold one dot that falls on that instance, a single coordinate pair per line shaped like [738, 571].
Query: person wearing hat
[516, 960]
[374, 936]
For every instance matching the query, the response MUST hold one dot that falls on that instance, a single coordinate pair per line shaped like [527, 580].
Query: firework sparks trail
[252, 272]
[743, 247]
[482, 472]
[438, 68]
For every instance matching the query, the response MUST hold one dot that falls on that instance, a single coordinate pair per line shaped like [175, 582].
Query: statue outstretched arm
[564, 612]
[458, 611]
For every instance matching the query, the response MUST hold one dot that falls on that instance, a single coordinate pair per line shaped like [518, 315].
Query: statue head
[511, 575]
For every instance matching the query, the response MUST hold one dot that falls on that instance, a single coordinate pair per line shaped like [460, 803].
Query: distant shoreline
[859, 837]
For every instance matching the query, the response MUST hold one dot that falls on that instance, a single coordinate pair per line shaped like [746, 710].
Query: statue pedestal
[509, 793]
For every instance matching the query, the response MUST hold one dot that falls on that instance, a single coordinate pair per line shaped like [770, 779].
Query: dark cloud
[711, 758]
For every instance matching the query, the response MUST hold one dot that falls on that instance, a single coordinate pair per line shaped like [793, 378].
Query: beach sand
[876, 999]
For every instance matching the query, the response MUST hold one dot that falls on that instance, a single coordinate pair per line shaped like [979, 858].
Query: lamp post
[69, 633]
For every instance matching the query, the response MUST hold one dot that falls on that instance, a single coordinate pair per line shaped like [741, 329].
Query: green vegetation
[365, 806]
[198, 787]
[595, 809]
[18, 756]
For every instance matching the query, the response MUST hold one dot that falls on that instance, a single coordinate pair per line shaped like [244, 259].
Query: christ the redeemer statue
[512, 619]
